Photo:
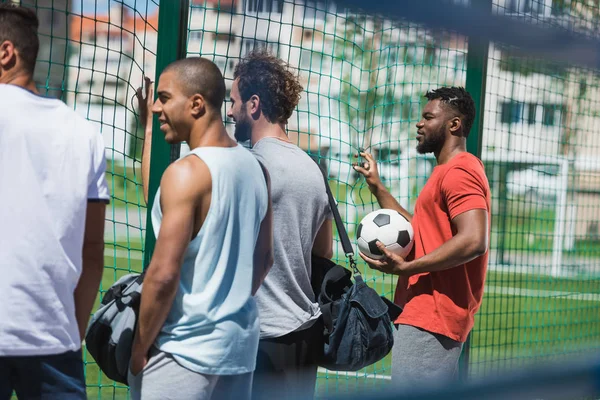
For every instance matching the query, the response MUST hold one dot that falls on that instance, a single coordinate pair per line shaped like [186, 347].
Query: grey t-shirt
[285, 300]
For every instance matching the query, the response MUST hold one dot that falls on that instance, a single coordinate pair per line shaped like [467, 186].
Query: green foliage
[526, 66]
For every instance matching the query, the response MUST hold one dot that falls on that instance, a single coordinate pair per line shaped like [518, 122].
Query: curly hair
[262, 74]
[20, 25]
[458, 100]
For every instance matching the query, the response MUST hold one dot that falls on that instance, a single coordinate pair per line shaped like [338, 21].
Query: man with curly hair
[440, 285]
[263, 96]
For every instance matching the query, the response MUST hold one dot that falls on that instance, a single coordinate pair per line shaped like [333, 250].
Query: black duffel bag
[109, 336]
[357, 321]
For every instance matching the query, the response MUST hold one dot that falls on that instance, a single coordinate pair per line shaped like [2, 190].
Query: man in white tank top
[198, 330]
[263, 96]
[53, 197]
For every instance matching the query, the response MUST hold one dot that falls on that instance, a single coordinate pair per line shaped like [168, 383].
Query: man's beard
[431, 143]
[243, 131]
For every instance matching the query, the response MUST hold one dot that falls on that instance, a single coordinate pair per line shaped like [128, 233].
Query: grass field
[524, 319]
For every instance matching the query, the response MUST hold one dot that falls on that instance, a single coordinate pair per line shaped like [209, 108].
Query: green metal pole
[477, 60]
[171, 46]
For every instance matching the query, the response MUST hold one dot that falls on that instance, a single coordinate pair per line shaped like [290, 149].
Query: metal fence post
[171, 46]
[477, 60]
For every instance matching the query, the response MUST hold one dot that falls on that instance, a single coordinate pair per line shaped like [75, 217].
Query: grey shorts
[164, 379]
[423, 359]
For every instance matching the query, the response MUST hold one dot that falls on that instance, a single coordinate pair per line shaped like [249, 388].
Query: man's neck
[264, 129]
[22, 79]
[210, 133]
[450, 150]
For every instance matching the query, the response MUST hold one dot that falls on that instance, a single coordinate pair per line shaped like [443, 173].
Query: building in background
[109, 55]
[534, 107]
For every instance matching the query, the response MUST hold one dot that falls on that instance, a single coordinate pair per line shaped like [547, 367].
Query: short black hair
[262, 74]
[19, 25]
[200, 76]
[458, 100]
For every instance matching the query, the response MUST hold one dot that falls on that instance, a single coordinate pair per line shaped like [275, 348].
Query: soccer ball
[390, 228]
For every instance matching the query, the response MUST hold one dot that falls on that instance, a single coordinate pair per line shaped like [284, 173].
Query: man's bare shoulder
[188, 178]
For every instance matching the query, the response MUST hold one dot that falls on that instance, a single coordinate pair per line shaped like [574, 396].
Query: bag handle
[346, 244]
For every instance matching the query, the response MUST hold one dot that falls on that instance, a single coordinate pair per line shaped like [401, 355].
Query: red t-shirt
[445, 302]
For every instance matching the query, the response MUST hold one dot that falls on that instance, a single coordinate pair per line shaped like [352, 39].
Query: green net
[541, 157]
[364, 79]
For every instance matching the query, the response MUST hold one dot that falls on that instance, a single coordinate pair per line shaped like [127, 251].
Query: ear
[7, 54]
[198, 105]
[254, 106]
[455, 125]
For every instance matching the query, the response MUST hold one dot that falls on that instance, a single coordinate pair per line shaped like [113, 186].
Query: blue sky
[102, 6]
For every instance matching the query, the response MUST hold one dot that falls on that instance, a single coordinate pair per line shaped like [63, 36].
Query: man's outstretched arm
[145, 97]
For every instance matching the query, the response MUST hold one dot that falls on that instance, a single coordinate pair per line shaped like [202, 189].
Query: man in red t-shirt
[440, 284]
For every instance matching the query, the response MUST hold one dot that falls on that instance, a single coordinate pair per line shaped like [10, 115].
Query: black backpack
[357, 321]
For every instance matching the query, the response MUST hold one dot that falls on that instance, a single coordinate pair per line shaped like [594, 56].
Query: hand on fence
[369, 170]
[145, 98]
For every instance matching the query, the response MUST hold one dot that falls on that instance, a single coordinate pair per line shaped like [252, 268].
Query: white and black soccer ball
[390, 228]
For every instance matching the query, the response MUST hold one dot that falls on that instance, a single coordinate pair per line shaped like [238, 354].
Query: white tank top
[213, 325]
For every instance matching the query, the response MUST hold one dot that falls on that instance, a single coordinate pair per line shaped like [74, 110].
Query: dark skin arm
[92, 266]
[184, 185]
[385, 199]
[471, 240]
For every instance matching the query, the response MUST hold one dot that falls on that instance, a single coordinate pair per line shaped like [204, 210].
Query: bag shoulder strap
[346, 245]
[344, 239]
